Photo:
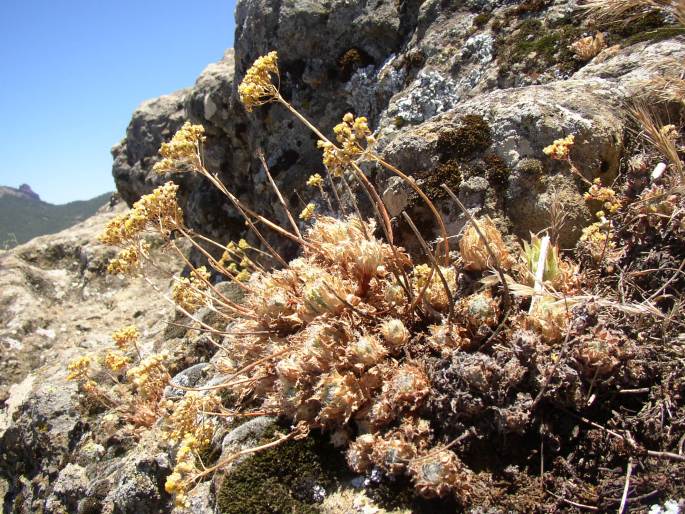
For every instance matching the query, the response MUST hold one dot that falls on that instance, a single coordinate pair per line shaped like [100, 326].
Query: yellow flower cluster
[78, 368]
[188, 415]
[127, 260]
[190, 293]
[257, 88]
[126, 336]
[354, 135]
[560, 149]
[606, 195]
[158, 208]
[307, 212]
[180, 480]
[150, 376]
[183, 149]
[315, 180]
[115, 361]
[597, 238]
[236, 253]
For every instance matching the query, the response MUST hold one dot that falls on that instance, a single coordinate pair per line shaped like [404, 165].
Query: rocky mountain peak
[26, 189]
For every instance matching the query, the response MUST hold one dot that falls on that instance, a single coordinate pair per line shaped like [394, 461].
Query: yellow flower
[78, 368]
[257, 88]
[158, 210]
[183, 149]
[243, 276]
[115, 361]
[560, 149]
[307, 212]
[315, 180]
[125, 336]
[189, 293]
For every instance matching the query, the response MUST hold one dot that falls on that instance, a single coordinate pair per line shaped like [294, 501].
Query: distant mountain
[23, 215]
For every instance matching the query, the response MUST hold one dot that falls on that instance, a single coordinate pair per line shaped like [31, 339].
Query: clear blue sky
[73, 71]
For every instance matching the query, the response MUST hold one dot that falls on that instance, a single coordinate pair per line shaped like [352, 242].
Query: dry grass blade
[652, 131]
[281, 200]
[626, 11]
[434, 262]
[505, 285]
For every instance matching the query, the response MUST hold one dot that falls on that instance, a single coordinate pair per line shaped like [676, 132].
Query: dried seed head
[359, 453]
[435, 292]
[599, 353]
[482, 309]
[368, 259]
[365, 351]
[475, 252]
[549, 317]
[439, 474]
[392, 455]
[407, 387]
[394, 294]
[340, 396]
[321, 346]
[324, 295]
[394, 333]
[289, 369]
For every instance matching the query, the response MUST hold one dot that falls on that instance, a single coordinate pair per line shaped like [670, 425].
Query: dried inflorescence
[257, 88]
[190, 293]
[157, 211]
[183, 151]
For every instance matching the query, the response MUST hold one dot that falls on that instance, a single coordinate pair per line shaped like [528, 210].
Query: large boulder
[415, 69]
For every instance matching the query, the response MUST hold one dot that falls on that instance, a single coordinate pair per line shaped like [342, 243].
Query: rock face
[57, 302]
[415, 68]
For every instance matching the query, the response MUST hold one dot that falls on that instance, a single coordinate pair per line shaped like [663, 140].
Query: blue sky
[73, 71]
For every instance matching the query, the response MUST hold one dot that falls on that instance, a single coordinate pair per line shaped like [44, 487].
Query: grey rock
[523, 121]
[396, 196]
[138, 486]
[68, 489]
[190, 377]
[200, 501]
[246, 435]
[153, 122]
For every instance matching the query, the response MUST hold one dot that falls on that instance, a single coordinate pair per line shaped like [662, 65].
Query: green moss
[282, 479]
[473, 136]
[648, 27]
[531, 166]
[655, 35]
[446, 173]
[497, 171]
[351, 60]
[481, 19]
[550, 47]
